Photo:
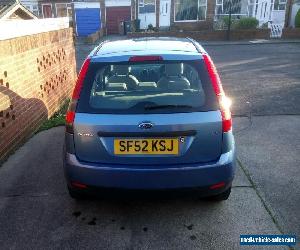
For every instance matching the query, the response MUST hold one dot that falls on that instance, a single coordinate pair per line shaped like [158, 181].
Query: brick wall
[37, 74]
[291, 33]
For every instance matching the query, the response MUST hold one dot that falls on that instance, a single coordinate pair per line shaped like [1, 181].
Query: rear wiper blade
[167, 106]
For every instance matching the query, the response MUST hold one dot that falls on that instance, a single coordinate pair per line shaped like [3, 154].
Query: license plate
[158, 146]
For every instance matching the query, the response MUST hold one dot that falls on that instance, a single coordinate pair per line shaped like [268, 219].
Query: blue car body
[110, 109]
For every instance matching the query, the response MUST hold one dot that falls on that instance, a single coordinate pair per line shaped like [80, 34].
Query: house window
[219, 7]
[190, 10]
[33, 9]
[146, 6]
[237, 6]
[279, 4]
[256, 8]
[63, 10]
[251, 4]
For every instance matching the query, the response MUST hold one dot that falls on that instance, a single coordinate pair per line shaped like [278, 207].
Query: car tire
[74, 194]
[220, 197]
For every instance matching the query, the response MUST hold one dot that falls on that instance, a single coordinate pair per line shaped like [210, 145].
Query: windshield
[156, 87]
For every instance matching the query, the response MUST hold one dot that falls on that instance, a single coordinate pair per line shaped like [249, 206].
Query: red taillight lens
[78, 185]
[70, 116]
[218, 185]
[224, 101]
[145, 58]
[80, 79]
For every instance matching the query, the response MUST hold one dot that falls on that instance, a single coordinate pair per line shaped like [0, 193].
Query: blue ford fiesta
[149, 114]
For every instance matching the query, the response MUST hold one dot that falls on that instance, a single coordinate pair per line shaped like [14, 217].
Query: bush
[225, 22]
[247, 23]
[297, 19]
[150, 27]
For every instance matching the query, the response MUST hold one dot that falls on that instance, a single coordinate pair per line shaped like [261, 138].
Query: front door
[164, 14]
[47, 10]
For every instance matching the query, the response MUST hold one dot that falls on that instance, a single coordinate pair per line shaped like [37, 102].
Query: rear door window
[151, 87]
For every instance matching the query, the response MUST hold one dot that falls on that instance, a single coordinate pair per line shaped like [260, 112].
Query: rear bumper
[186, 176]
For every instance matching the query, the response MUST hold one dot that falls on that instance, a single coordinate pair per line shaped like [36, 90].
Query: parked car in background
[149, 114]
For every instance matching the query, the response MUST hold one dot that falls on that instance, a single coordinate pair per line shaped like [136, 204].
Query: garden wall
[37, 75]
[291, 33]
[214, 35]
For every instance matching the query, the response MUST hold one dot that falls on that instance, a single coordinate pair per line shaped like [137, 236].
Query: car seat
[173, 78]
[120, 74]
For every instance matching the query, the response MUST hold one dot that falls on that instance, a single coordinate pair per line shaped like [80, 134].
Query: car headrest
[174, 69]
[116, 87]
[120, 69]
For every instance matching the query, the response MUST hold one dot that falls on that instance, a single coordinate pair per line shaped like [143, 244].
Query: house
[14, 10]
[178, 14]
[269, 11]
[49, 8]
[199, 14]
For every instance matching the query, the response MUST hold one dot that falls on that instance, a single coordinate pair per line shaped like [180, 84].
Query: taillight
[224, 101]
[218, 185]
[70, 116]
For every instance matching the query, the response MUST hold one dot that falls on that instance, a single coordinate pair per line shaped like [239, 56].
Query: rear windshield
[152, 87]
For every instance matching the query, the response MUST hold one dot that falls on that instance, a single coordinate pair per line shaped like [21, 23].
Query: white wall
[84, 5]
[28, 2]
[278, 16]
[111, 3]
[16, 28]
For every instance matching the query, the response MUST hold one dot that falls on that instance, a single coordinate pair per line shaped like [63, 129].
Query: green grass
[58, 119]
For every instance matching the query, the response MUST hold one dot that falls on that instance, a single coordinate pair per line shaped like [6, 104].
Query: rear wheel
[76, 195]
[220, 197]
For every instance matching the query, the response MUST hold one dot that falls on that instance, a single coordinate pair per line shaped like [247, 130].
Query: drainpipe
[288, 13]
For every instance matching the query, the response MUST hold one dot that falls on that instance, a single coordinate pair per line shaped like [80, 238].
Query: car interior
[176, 83]
[149, 77]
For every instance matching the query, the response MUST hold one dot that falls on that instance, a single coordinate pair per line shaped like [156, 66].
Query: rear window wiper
[166, 106]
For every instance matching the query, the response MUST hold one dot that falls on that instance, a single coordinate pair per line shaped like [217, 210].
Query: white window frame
[66, 5]
[280, 2]
[46, 4]
[231, 14]
[191, 21]
[37, 9]
[141, 3]
[219, 4]
[251, 3]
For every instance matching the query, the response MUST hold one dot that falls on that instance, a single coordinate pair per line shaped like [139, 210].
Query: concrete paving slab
[37, 213]
[269, 151]
[56, 222]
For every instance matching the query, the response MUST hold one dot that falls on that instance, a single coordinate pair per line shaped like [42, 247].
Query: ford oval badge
[146, 125]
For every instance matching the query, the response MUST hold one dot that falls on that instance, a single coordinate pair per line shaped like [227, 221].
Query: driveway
[263, 81]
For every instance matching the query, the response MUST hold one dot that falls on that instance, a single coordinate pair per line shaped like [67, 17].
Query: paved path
[36, 211]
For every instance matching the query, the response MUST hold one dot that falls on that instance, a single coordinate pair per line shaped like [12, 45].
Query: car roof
[146, 46]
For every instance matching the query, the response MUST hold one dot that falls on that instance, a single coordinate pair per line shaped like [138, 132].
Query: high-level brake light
[145, 58]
